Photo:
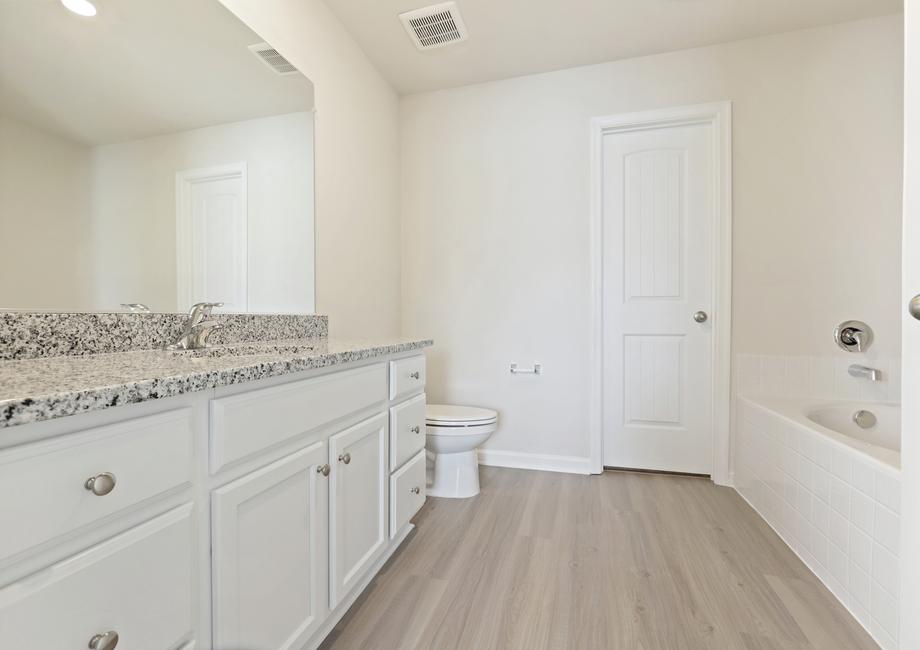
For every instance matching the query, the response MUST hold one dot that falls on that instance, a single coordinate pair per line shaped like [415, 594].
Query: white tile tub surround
[837, 508]
[820, 377]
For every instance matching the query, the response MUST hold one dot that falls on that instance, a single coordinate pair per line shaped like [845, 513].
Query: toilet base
[454, 476]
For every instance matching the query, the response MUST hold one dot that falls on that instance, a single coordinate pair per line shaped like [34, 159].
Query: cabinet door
[269, 554]
[358, 498]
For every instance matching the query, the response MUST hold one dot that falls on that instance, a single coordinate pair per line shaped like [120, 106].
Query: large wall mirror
[156, 154]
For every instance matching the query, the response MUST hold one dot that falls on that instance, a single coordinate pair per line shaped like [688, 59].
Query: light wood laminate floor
[617, 561]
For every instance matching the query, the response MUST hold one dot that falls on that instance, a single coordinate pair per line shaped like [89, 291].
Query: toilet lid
[450, 415]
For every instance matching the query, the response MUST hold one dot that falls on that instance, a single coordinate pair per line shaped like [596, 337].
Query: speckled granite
[32, 390]
[29, 335]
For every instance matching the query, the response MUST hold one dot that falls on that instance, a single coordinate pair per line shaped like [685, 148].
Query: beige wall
[357, 164]
[134, 212]
[44, 220]
[910, 432]
[495, 205]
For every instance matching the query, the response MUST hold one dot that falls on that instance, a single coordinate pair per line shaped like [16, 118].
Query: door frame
[719, 115]
[184, 181]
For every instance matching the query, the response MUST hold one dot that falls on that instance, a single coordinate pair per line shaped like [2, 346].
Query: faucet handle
[202, 310]
[853, 336]
[136, 307]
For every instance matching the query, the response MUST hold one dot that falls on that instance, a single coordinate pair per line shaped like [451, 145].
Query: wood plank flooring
[617, 561]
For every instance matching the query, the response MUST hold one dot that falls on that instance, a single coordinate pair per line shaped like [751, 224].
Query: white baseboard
[542, 462]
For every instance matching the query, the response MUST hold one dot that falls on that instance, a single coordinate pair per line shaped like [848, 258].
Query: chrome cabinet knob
[415, 490]
[701, 317]
[106, 641]
[913, 307]
[101, 485]
[414, 375]
[345, 458]
[323, 469]
[415, 429]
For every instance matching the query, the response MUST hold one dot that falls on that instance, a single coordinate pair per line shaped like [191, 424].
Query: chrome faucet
[197, 328]
[136, 307]
[871, 374]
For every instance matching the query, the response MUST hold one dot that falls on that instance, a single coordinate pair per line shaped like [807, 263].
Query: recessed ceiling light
[80, 7]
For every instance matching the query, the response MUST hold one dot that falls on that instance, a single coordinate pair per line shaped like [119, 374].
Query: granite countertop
[32, 390]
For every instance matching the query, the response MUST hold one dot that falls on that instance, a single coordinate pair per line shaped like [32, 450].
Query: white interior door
[212, 237]
[657, 212]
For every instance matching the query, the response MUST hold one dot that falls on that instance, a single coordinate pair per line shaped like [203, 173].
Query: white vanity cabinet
[250, 516]
[407, 441]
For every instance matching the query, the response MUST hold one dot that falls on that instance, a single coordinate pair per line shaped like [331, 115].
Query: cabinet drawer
[43, 493]
[407, 492]
[139, 584]
[407, 376]
[407, 430]
[244, 424]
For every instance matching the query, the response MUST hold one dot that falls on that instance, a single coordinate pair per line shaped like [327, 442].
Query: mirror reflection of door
[211, 237]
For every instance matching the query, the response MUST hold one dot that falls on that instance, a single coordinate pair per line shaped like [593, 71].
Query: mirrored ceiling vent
[435, 26]
[273, 59]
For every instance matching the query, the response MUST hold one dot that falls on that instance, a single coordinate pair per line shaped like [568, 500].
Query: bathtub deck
[617, 561]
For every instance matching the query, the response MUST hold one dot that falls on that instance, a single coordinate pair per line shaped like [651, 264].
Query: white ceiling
[509, 38]
[137, 69]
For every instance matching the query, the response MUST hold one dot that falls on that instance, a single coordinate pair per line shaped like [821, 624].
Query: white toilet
[453, 434]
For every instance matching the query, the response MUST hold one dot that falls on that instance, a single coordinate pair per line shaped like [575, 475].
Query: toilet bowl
[453, 434]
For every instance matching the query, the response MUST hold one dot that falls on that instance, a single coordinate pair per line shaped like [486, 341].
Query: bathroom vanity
[235, 497]
[244, 499]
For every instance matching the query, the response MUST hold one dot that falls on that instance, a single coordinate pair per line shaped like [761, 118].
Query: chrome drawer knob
[416, 429]
[345, 458]
[323, 469]
[414, 375]
[100, 485]
[913, 307]
[106, 641]
[415, 490]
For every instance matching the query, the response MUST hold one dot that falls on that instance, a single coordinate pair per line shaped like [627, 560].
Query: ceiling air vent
[272, 58]
[435, 26]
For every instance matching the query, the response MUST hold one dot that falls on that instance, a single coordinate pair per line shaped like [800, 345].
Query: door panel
[654, 365]
[269, 552]
[657, 221]
[212, 236]
[652, 189]
[357, 517]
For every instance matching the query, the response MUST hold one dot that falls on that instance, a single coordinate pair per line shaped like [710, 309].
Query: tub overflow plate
[865, 419]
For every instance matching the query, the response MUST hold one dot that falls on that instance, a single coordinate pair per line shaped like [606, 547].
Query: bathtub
[835, 420]
[831, 489]
[881, 429]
